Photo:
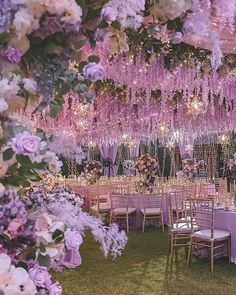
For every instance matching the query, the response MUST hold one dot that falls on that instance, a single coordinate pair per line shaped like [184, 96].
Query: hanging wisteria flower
[40, 276]
[25, 143]
[93, 71]
[3, 105]
[73, 239]
[30, 85]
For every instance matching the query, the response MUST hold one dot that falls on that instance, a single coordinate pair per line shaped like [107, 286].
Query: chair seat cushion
[181, 227]
[151, 211]
[102, 207]
[123, 211]
[218, 234]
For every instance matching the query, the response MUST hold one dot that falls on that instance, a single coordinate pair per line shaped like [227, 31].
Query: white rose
[3, 105]
[30, 85]
[4, 87]
[24, 22]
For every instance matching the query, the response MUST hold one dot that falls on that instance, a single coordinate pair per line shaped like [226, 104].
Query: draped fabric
[134, 152]
[109, 153]
[183, 151]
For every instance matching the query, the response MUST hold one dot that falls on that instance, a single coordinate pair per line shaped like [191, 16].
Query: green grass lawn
[146, 268]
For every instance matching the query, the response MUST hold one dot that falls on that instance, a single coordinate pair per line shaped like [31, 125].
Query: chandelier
[195, 106]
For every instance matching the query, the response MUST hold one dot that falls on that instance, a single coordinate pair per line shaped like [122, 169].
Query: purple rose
[12, 54]
[100, 34]
[25, 143]
[109, 13]
[40, 276]
[177, 38]
[93, 71]
[73, 239]
[55, 289]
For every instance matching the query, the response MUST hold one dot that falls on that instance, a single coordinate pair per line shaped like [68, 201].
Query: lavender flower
[7, 9]
[11, 207]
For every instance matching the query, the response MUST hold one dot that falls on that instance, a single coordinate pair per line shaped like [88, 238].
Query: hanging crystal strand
[164, 161]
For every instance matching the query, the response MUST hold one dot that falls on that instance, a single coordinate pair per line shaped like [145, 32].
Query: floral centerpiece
[189, 167]
[129, 168]
[232, 165]
[146, 165]
[92, 171]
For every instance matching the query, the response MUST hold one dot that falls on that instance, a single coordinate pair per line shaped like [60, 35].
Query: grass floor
[145, 268]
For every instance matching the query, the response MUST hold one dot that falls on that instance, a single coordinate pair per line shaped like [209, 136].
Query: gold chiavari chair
[120, 209]
[179, 223]
[207, 237]
[99, 204]
[152, 209]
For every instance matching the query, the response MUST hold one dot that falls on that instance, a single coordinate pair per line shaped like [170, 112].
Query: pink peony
[16, 227]
[25, 143]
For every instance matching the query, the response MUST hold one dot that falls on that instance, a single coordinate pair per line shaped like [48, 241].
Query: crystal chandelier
[196, 106]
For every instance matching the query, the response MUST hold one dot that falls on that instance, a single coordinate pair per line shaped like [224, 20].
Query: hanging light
[189, 147]
[162, 128]
[196, 106]
[224, 139]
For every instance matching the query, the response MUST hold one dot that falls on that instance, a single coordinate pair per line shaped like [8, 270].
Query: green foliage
[8, 154]
[43, 260]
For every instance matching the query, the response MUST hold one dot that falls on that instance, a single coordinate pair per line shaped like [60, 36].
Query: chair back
[202, 213]
[118, 201]
[120, 189]
[151, 201]
[177, 207]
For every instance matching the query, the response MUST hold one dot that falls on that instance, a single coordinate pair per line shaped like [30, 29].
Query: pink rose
[16, 227]
[25, 143]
